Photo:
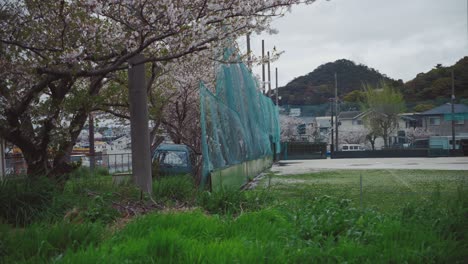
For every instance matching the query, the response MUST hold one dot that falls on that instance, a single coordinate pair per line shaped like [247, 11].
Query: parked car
[352, 147]
[173, 159]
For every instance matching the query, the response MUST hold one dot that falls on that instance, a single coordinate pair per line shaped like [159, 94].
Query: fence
[121, 162]
[397, 153]
[303, 150]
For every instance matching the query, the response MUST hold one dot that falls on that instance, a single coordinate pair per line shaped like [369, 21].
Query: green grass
[296, 219]
[385, 190]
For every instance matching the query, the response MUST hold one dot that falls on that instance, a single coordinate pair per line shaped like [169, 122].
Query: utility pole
[332, 145]
[453, 111]
[276, 90]
[269, 75]
[138, 99]
[336, 112]
[2, 159]
[263, 66]
[92, 153]
[249, 58]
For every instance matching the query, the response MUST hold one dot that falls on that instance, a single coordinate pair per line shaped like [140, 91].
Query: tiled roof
[446, 109]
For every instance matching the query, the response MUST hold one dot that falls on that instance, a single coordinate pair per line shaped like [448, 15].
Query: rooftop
[446, 109]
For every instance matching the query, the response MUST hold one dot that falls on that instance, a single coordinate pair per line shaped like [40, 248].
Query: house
[352, 123]
[438, 120]
[121, 143]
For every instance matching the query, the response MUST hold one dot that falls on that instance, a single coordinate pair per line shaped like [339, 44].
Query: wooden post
[139, 130]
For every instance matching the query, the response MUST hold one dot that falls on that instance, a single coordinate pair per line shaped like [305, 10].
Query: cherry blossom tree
[414, 133]
[353, 136]
[288, 127]
[60, 55]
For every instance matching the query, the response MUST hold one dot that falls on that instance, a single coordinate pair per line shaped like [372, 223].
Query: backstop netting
[238, 122]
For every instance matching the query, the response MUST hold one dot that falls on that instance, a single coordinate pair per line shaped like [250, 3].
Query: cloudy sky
[399, 38]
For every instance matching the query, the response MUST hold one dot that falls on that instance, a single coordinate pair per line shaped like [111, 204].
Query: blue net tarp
[238, 122]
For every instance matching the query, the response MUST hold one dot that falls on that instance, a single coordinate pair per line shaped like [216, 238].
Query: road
[305, 166]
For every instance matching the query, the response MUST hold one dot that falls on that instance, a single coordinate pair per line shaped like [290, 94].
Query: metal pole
[269, 75]
[263, 66]
[92, 152]
[332, 145]
[453, 110]
[249, 58]
[141, 156]
[336, 113]
[276, 77]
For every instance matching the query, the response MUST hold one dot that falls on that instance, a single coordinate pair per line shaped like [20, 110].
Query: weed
[179, 188]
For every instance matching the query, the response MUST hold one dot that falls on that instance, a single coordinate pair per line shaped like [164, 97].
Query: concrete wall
[235, 176]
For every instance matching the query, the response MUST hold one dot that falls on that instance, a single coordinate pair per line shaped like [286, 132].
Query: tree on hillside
[383, 104]
[58, 57]
[423, 107]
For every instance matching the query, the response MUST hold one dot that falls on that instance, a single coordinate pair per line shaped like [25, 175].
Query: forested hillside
[425, 91]
[435, 86]
[317, 86]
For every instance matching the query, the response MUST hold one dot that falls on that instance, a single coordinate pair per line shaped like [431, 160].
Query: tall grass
[277, 225]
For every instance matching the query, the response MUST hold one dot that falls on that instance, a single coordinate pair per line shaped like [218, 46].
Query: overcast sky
[399, 38]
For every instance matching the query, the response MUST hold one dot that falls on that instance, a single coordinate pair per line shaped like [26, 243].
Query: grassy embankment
[413, 216]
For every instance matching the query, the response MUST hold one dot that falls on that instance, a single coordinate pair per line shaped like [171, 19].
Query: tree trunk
[37, 163]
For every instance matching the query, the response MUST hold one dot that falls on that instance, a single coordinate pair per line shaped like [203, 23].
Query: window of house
[459, 122]
[434, 121]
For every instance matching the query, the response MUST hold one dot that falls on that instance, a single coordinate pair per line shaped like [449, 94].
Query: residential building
[438, 120]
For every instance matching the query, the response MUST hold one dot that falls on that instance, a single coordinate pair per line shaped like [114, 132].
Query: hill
[434, 87]
[317, 86]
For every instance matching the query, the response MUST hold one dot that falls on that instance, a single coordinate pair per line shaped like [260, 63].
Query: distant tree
[355, 96]
[383, 106]
[372, 137]
[416, 133]
[288, 126]
[423, 107]
[355, 136]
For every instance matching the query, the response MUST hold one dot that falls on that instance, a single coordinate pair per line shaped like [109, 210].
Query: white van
[352, 147]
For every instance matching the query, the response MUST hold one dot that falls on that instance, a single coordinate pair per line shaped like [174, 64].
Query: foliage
[383, 104]
[435, 85]
[66, 53]
[423, 107]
